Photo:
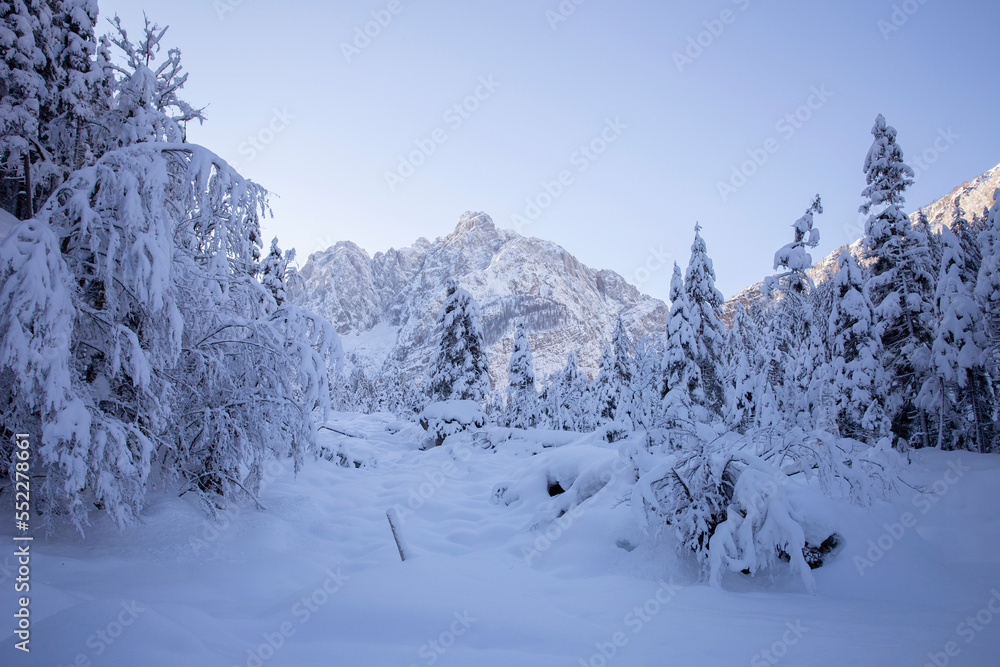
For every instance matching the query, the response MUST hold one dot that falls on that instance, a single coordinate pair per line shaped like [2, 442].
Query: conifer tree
[705, 304]
[858, 379]
[955, 390]
[460, 371]
[901, 284]
[604, 390]
[522, 397]
[683, 381]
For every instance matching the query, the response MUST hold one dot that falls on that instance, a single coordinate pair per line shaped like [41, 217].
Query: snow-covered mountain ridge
[385, 307]
[972, 197]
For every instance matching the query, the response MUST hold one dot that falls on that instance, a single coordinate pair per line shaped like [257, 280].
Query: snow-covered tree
[798, 342]
[148, 106]
[624, 377]
[604, 390]
[572, 411]
[858, 378]
[171, 354]
[682, 374]
[956, 390]
[21, 96]
[522, 397]
[273, 270]
[648, 383]
[460, 370]
[901, 283]
[705, 304]
[744, 370]
[794, 257]
[988, 285]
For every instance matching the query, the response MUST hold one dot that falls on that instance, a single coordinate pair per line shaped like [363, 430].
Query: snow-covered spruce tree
[522, 397]
[988, 286]
[745, 368]
[624, 377]
[901, 284]
[460, 370]
[858, 378]
[21, 98]
[604, 391]
[682, 387]
[648, 384]
[794, 257]
[798, 346]
[572, 412]
[175, 357]
[956, 391]
[705, 303]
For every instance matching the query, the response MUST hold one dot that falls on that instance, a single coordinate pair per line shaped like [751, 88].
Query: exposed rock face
[386, 306]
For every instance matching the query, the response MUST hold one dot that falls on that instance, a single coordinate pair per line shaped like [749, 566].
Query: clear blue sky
[686, 125]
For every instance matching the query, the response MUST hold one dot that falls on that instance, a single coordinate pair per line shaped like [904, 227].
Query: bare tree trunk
[29, 205]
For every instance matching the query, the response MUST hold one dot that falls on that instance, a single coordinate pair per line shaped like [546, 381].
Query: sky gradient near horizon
[732, 113]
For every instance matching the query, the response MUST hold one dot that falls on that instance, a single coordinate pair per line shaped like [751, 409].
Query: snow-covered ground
[7, 223]
[315, 577]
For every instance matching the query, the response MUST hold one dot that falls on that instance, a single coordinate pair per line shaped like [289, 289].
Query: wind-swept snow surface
[495, 576]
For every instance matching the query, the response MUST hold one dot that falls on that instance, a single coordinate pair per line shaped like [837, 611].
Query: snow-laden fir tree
[988, 286]
[705, 304]
[624, 377]
[798, 345]
[21, 98]
[604, 390]
[522, 396]
[273, 271]
[460, 371]
[858, 378]
[901, 284]
[956, 391]
[794, 257]
[682, 387]
[572, 411]
[648, 384]
[745, 369]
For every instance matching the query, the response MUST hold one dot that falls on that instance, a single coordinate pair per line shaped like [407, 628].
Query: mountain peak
[474, 220]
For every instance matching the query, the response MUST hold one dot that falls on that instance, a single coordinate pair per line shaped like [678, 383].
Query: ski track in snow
[317, 573]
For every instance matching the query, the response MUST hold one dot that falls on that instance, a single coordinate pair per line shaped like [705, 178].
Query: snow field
[315, 578]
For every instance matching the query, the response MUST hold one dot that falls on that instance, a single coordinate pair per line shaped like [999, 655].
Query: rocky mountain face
[972, 196]
[385, 307]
